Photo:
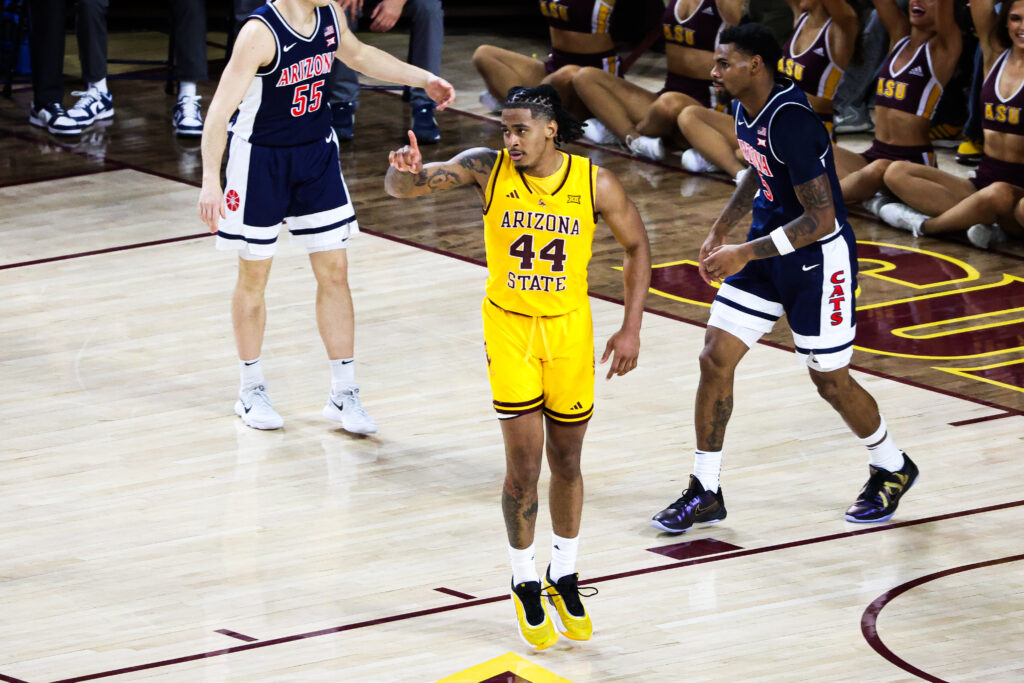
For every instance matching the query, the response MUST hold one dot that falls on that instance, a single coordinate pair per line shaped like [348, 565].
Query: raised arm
[896, 22]
[844, 31]
[409, 177]
[985, 18]
[732, 11]
[254, 48]
[619, 212]
[794, 7]
[375, 63]
[947, 31]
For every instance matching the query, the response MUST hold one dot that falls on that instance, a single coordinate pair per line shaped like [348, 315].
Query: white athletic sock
[251, 372]
[563, 556]
[524, 566]
[343, 374]
[707, 467]
[882, 450]
[186, 89]
[100, 85]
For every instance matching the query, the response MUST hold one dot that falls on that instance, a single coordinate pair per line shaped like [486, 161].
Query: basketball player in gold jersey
[540, 212]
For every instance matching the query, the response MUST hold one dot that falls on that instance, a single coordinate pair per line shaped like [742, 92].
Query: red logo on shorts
[232, 200]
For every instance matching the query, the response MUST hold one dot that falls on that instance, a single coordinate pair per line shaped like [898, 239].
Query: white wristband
[781, 241]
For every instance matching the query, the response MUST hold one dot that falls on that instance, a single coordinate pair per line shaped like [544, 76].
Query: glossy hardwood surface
[139, 519]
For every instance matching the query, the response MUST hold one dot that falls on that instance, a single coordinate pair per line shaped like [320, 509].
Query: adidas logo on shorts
[577, 406]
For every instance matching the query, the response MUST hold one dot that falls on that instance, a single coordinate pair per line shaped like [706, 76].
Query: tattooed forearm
[432, 178]
[520, 510]
[740, 202]
[817, 220]
[438, 178]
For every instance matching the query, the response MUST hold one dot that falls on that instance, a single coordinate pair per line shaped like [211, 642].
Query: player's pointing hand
[407, 159]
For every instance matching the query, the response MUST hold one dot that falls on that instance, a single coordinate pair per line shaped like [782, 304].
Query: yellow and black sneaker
[571, 619]
[878, 499]
[969, 153]
[535, 627]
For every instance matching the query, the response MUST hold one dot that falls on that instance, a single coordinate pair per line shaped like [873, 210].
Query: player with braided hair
[540, 212]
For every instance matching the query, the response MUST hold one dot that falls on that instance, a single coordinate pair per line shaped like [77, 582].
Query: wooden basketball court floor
[148, 535]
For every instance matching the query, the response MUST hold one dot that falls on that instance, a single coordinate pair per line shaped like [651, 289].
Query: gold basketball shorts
[540, 363]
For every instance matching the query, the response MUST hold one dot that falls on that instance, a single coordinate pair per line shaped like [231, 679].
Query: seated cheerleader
[579, 37]
[923, 52]
[624, 112]
[822, 43]
[935, 201]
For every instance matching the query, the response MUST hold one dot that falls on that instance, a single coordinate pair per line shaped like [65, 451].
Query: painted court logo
[232, 200]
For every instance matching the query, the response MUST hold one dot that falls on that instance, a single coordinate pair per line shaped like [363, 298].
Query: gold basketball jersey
[538, 233]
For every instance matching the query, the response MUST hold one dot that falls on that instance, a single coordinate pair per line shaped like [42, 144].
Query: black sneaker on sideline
[878, 499]
[695, 505]
[343, 120]
[424, 125]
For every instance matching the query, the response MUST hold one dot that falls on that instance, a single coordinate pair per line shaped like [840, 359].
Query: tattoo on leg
[520, 514]
[722, 411]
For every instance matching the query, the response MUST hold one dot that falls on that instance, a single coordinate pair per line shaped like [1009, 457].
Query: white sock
[343, 374]
[563, 556]
[100, 85]
[882, 450]
[524, 566]
[251, 372]
[186, 89]
[707, 467]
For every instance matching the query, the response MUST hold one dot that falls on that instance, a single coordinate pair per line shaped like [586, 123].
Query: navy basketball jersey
[286, 103]
[788, 145]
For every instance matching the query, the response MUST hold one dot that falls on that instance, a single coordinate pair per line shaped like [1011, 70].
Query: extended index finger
[412, 142]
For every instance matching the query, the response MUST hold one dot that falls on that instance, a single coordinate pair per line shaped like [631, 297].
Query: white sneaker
[598, 133]
[903, 217]
[490, 102]
[254, 407]
[874, 204]
[188, 118]
[694, 162]
[984, 236]
[344, 407]
[54, 118]
[644, 146]
[92, 105]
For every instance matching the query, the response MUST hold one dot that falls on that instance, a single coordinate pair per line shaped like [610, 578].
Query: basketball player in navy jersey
[800, 259]
[283, 170]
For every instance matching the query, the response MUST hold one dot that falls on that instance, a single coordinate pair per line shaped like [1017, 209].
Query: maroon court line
[459, 257]
[454, 593]
[120, 164]
[11, 679]
[485, 601]
[59, 176]
[236, 634]
[868, 621]
[108, 250]
[664, 314]
[973, 420]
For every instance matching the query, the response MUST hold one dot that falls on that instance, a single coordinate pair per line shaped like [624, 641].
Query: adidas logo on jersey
[514, 194]
[708, 10]
[820, 51]
[916, 71]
